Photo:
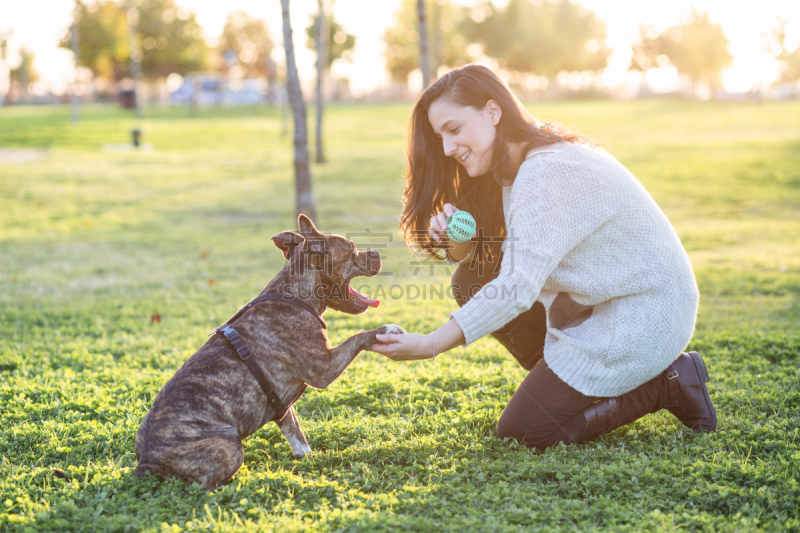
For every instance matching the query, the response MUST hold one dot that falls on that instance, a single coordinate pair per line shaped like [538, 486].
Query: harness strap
[245, 354]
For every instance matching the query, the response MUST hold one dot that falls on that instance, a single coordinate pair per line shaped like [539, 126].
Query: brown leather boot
[680, 389]
[603, 416]
[688, 397]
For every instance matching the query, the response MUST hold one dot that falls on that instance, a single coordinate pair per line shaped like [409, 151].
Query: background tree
[172, 40]
[103, 49]
[250, 40]
[302, 168]
[169, 37]
[402, 39]
[543, 38]
[24, 74]
[322, 52]
[4, 37]
[646, 49]
[424, 44]
[340, 43]
[75, 105]
[789, 60]
[698, 49]
[331, 42]
[135, 56]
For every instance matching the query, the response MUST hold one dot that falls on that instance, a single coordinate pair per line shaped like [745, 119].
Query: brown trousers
[545, 410]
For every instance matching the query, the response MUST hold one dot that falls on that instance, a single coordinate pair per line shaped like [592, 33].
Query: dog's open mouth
[363, 299]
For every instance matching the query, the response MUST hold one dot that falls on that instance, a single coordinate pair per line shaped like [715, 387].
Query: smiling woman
[594, 293]
[468, 125]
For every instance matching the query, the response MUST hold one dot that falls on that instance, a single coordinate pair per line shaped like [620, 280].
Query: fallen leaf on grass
[57, 472]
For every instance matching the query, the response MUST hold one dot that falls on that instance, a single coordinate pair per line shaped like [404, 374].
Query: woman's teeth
[463, 157]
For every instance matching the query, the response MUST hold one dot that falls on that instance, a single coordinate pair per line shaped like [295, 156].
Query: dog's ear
[286, 241]
[307, 227]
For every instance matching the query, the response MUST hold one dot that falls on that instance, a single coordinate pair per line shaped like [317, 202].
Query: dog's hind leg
[211, 462]
[290, 427]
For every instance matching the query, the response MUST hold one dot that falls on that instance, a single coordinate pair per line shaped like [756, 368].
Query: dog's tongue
[369, 301]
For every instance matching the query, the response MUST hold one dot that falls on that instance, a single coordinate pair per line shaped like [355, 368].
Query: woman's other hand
[438, 225]
[404, 346]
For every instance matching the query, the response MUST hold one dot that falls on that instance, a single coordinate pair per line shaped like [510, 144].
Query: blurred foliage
[251, 41]
[543, 38]
[103, 39]
[340, 43]
[646, 50]
[4, 37]
[789, 60]
[170, 39]
[24, 73]
[697, 48]
[446, 41]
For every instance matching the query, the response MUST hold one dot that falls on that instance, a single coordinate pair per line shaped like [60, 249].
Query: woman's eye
[454, 130]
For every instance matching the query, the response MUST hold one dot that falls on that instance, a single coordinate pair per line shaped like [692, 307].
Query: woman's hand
[438, 228]
[438, 225]
[404, 346]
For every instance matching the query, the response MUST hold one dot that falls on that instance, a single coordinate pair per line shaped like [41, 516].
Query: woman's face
[467, 133]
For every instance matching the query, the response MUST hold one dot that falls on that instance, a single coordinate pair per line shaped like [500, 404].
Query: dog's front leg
[326, 366]
[290, 427]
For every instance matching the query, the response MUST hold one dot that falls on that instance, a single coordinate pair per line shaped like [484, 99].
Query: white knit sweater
[580, 223]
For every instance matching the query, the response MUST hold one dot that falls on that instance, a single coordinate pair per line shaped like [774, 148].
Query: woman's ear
[494, 111]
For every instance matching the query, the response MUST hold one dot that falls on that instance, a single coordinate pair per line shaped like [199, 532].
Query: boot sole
[702, 372]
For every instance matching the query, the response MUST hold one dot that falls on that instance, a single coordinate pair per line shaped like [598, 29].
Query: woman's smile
[467, 133]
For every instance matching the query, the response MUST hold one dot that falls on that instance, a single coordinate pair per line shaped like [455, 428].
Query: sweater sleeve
[554, 206]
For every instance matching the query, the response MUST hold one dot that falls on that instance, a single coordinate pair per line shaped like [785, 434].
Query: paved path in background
[20, 155]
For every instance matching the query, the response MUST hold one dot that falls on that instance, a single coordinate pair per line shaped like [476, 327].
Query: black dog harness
[245, 354]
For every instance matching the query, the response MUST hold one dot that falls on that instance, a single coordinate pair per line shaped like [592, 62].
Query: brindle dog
[195, 427]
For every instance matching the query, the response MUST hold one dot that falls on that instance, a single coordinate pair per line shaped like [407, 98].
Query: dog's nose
[374, 261]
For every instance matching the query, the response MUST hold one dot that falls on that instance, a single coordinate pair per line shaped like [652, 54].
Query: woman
[594, 293]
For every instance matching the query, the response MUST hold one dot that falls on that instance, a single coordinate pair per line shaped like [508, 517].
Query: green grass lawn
[93, 242]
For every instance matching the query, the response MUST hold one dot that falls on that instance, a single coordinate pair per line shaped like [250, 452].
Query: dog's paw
[391, 328]
[301, 451]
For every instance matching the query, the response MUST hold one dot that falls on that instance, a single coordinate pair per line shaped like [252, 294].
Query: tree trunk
[197, 86]
[302, 170]
[424, 64]
[436, 23]
[322, 64]
[73, 41]
[136, 56]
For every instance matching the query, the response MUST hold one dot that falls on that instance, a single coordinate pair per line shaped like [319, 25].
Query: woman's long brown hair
[433, 179]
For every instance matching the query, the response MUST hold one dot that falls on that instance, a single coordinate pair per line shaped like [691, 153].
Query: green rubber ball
[461, 227]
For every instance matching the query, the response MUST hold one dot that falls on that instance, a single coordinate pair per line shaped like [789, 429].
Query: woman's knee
[512, 425]
[511, 429]
[507, 428]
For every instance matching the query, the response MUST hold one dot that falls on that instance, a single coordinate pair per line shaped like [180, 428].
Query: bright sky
[39, 24]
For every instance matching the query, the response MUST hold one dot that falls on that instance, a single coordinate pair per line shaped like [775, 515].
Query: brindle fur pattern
[194, 429]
